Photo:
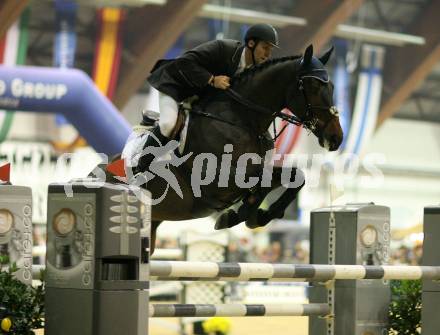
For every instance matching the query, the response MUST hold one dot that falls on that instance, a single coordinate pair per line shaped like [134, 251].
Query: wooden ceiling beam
[322, 21]
[407, 67]
[150, 32]
[10, 11]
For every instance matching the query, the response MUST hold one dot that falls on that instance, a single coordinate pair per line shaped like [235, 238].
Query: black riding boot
[149, 118]
[156, 139]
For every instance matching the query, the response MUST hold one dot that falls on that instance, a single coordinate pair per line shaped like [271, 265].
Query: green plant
[406, 307]
[22, 304]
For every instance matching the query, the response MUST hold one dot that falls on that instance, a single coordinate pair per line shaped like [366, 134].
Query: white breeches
[168, 114]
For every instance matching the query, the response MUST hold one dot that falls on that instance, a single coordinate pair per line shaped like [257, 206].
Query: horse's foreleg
[260, 217]
[250, 204]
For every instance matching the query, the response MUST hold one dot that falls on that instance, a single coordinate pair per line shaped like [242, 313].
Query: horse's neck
[268, 87]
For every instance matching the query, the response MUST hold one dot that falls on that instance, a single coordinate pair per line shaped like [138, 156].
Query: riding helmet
[262, 32]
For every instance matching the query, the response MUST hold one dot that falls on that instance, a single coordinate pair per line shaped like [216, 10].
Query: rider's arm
[197, 65]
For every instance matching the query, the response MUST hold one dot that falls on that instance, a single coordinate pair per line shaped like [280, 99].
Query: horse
[227, 129]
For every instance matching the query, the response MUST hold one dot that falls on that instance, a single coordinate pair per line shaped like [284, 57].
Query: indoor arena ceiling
[408, 29]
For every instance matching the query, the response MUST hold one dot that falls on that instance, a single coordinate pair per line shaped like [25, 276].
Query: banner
[65, 39]
[106, 61]
[342, 89]
[367, 104]
[108, 49]
[13, 50]
[71, 92]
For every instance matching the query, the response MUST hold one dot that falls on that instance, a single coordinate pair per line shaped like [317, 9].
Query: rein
[293, 119]
[240, 99]
[308, 123]
[208, 115]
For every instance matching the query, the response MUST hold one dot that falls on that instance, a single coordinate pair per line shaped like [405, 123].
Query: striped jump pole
[211, 271]
[167, 254]
[237, 310]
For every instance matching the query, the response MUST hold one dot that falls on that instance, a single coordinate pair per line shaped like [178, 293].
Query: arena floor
[250, 325]
[240, 326]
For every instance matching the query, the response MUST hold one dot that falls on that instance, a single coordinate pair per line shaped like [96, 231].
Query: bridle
[309, 121]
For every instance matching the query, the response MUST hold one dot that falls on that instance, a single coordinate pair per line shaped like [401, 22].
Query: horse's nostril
[335, 142]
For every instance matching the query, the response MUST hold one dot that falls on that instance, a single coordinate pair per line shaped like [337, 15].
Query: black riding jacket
[189, 74]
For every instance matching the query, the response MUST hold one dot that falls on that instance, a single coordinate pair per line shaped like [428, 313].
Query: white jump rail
[237, 310]
[209, 271]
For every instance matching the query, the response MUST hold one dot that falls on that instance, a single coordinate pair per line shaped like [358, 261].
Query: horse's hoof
[226, 220]
[259, 219]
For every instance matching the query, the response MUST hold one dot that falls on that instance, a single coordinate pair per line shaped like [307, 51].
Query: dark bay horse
[228, 140]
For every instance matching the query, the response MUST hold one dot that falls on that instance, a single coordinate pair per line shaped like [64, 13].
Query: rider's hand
[221, 82]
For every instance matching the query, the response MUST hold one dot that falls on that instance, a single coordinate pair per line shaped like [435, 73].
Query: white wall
[412, 152]
[410, 173]
[408, 144]
[28, 126]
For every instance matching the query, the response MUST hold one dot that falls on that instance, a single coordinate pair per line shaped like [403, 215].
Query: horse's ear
[325, 57]
[308, 55]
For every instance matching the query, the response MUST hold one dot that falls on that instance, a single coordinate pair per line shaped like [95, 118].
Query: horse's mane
[250, 72]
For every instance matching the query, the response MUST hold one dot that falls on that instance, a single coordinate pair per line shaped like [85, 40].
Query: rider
[210, 64]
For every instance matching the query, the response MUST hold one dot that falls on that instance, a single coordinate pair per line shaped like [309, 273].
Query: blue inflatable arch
[69, 92]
